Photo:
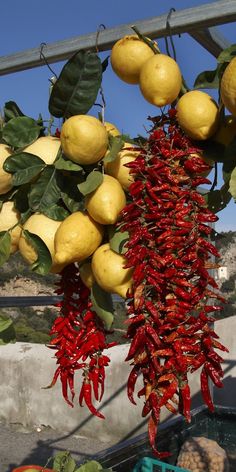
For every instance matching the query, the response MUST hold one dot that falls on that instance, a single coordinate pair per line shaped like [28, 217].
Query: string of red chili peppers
[78, 335]
[169, 250]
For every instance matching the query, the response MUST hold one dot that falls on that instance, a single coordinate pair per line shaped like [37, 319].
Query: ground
[19, 446]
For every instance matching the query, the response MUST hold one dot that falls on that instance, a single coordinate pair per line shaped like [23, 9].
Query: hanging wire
[101, 27]
[168, 27]
[43, 57]
[214, 183]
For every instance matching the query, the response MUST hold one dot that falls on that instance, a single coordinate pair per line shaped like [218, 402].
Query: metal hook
[168, 27]
[42, 56]
[100, 28]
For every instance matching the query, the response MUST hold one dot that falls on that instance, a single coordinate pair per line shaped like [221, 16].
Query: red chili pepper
[153, 334]
[155, 405]
[185, 400]
[205, 390]
[86, 395]
[64, 380]
[214, 374]
[131, 383]
[169, 392]
[152, 309]
[152, 433]
[137, 343]
[147, 407]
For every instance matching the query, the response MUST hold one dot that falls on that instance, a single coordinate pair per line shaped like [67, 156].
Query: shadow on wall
[43, 449]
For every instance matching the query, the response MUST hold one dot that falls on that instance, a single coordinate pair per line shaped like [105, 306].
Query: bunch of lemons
[160, 81]
[82, 236]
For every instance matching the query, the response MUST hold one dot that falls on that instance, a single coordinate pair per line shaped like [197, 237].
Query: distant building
[222, 273]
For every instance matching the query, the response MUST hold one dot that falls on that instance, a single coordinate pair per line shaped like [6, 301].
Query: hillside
[16, 279]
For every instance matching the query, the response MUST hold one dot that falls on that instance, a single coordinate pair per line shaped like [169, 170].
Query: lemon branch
[146, 40]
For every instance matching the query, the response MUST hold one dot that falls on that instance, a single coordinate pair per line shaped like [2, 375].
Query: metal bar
[182, 21]
[211, 39]
[8, 302]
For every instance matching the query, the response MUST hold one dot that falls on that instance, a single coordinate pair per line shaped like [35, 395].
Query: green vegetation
[33, 326]
[224, 239]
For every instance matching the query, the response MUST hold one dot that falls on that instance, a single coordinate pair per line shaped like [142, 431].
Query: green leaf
[73, 204]
[229, 162]
[76, 89]
[90, 466]
[43, 263]
[7, 196]
[5, 246]
[45, 192]
[232, 184]
[7, 331]
[20, 131]
[226, 177]
[94, 179]
[24, 166]
[227, 54]
[102, 304]
[117, 240]
[70, 194]
[11, 110]
[5, 322]
[66, 164]
[116, 143]
[208, 79]
[213, 150]
[63, 462]
[217, 200]
[21, 198]
[56, 212]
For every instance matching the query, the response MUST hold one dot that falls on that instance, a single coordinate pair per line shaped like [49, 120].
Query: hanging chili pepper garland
[169, 321]
[169, 318]
[79, 337]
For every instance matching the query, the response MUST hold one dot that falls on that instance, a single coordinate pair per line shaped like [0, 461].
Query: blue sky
[26, 24]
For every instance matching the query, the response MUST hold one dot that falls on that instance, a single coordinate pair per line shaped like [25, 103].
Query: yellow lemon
[5, 177]
[84, 139]
[109, 272]
[45, 147]
[112, 129]
[118, 169]
[226, 131]
[106, 202]
[45, 228]
[77, 237]
[86, 274]
[198, 114]
[228, 87]
[127, 57]
[160, 80]
[9, 217]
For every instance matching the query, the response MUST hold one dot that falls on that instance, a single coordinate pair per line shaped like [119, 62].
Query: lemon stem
[150, 43]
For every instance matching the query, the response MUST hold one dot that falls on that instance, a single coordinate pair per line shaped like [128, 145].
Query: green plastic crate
[147, 464]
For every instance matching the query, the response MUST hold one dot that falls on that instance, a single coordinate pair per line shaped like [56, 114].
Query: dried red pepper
[80, 339]
[167, 221]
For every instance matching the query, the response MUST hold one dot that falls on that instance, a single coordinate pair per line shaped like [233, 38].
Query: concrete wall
[26, 368]
[226, 329]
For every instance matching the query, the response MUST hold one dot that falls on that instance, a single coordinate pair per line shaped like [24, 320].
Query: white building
[222, 273]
